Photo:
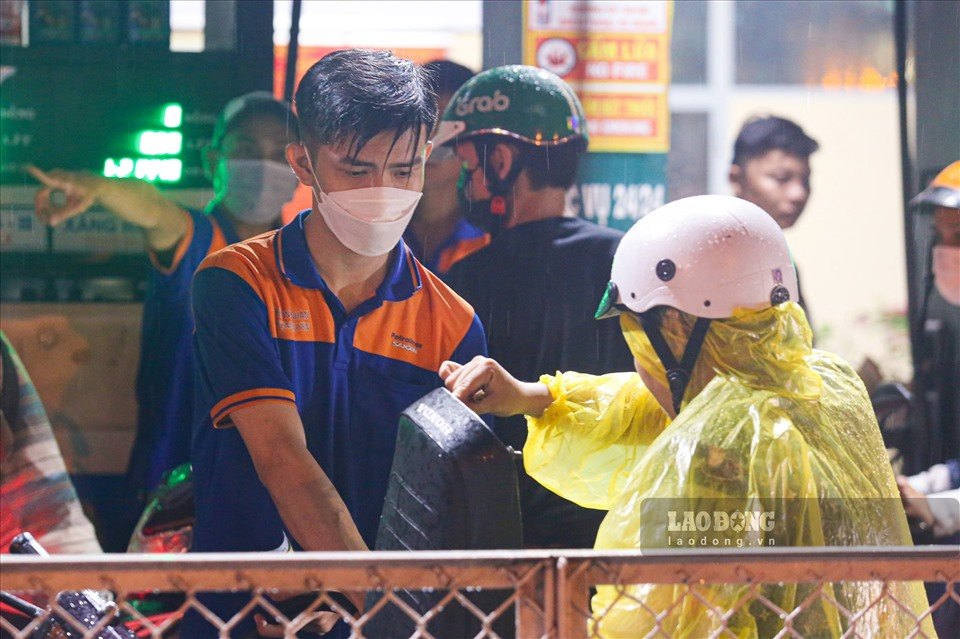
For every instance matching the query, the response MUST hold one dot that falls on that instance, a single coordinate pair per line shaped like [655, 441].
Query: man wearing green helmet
[519, 132]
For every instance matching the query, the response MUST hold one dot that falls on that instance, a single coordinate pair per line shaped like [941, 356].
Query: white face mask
[368, 221]
[946, 272]
[254, 191]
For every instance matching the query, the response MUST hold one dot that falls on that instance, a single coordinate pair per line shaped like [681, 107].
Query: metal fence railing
[861, 592]
[783, 592]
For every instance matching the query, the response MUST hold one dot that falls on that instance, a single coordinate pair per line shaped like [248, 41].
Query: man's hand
[915, 503]
[321, 623]
[486, 387]
[293, 604]
[79, 190]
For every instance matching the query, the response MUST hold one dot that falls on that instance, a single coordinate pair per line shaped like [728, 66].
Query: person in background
[310, 340]
[932, 498]
[520, 132]
[771, 168]
[438, 235]
[251, 182]
[36, 494]
[941, 299]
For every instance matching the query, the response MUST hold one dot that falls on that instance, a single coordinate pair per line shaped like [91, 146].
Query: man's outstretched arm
[140, 203]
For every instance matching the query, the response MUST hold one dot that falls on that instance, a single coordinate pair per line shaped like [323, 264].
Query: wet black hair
[762, 134]
[353, 95]
[258, 104]
[446, 76]
[554, 166]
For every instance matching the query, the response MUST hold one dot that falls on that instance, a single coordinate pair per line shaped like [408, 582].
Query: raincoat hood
[764, 349]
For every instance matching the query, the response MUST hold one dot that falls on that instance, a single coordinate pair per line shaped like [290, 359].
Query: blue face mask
[254, 191]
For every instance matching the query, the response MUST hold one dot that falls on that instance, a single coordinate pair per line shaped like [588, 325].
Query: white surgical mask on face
[368, 221]
[946, 272]
[254, 191]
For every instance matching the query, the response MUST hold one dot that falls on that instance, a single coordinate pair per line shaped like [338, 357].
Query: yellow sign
[616, 55]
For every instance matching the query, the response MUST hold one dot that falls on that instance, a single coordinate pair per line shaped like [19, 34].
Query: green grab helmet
[521, 102]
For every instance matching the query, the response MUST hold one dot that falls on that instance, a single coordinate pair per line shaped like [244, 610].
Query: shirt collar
[294, 262]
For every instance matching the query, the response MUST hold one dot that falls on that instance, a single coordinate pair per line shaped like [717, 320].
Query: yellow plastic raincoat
[768, 425]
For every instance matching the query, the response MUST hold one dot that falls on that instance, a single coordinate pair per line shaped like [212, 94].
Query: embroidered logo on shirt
[293, 320]
[406, 343]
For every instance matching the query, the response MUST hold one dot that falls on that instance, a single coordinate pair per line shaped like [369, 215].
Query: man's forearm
[143, 205]
[312, 509]
[309, 504]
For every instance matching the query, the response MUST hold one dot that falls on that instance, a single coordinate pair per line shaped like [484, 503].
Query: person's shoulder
[825, 361]
[841, 391]
[464, 271]
[836, 372]
[443, 297]
[586, 231]
[585, 242]
[257, 253]
[253, 261]
[424, 328]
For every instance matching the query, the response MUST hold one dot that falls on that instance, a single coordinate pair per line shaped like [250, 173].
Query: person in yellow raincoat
[734, 433]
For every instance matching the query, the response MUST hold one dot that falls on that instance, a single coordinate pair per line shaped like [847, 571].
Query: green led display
[150, 143]
[120, 168]
[149, 169]
[159, 142]
[172, 116]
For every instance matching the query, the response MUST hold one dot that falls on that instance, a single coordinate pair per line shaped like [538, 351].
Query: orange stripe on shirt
[457, 252]
[423, 330]
[253, 260]
[294, 313]
[243, 399]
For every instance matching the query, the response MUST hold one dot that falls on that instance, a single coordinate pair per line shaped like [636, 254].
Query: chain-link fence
[821, 592]
[790, 592]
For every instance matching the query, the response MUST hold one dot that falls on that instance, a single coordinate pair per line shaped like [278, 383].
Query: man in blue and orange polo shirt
[312, 339]
[251, 181]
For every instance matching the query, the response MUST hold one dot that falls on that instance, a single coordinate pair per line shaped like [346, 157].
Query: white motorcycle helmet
[705, 255]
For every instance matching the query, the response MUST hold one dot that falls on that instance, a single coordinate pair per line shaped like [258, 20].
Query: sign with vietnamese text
[616, 54]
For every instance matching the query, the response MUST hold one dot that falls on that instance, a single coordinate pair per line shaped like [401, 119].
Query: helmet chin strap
[678, 373]
[498, 187]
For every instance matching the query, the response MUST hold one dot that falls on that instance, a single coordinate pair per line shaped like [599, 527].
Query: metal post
[502, 33]
[721, 42]
[535, 603]
[573, 603]
[255, 46]
[293, 49]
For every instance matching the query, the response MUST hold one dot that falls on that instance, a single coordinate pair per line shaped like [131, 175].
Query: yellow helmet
[944, 190]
